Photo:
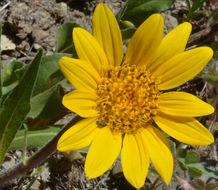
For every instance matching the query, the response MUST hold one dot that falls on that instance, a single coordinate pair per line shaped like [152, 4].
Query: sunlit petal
[172, 44]
[79, 73]
[182, 67]
[145, 41]
[82, 103]
[107, 32]
[186, 130]
[135, 160]
[103, 151]
[159, 151]
[78, 136]
[183, 104]
[89, 49]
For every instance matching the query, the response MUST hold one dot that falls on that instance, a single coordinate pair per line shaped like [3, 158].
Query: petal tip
[187, 25]
[210, 109]
[210, 139]
[100, 6]
[207, 51]
[168, 177]
[90, 173]
[157, 16]
[77, 31]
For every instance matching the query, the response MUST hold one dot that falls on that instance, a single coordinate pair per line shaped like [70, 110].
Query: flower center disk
[127, 99]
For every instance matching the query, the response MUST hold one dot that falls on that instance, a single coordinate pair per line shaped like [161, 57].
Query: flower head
[121, 98]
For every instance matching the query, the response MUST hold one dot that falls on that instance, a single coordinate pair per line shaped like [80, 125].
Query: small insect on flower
[121, 98]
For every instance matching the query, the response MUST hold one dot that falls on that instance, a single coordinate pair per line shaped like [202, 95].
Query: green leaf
[13, 72]
[194, 172]
[181, 152]
[48, 67]
[38, 102]
[35, 138]
[48, 79]
[197, 4]
[65, 39]
[0, 64]
[7, 89]
[182, 164]
[127, 33]
[205, 171]
[17, 105]
[137, 11]
[192, 157]
[54, 104]
[10, 72]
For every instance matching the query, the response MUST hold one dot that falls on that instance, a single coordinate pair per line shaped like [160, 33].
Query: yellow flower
[122, 97]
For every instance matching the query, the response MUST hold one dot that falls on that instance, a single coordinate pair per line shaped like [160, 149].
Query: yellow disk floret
[127, 98]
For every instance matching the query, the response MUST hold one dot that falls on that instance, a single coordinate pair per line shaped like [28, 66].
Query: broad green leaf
[48, 67]
[47, 104]
[65, 39]
[54, 104]
[137, 11]
[10, 72]
[38, 102]
[205, 171]
[35, 138]
[13, 72]
[17, 105]
[48, 79]
[7, 89]
[194, 172]
[192, 157]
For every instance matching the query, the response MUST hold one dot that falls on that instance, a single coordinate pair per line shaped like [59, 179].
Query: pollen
[127, 99]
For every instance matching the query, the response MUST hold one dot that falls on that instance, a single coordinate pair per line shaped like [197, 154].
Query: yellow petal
[103, 151]
[186, 130]
[159, 151]
[145, 41]
[79, 73]
[182, 67]
[183, 104]
[82, 103]
[135, 160]
[107, 32]
[89, 49]
[78, 136]
[172, 44]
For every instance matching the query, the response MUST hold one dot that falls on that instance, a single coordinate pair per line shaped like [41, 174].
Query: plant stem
[37, 158]
[184, 183]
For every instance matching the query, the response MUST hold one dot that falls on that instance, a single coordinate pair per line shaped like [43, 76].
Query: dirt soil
[31, 25]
